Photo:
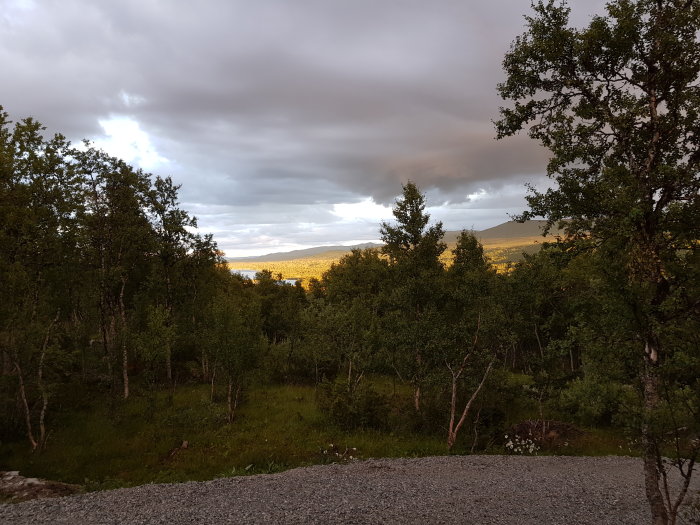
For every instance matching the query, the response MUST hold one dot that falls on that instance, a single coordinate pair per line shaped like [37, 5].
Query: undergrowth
[150, 438]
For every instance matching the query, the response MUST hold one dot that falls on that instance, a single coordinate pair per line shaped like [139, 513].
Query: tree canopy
[617, 104]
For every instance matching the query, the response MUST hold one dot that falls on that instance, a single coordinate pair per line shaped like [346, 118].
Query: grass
[107, 445]
[277, 427]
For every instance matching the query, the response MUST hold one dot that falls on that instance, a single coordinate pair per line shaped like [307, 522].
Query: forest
[131, 354]
[112, 306]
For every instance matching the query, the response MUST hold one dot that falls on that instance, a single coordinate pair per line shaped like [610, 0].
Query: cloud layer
[271, 113]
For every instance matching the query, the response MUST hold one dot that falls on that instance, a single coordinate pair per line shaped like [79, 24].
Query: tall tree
[233, 332]
[414, 251]
[618, 105]
[117, 240]
[473, 325]
[173, 240]
[39, 194]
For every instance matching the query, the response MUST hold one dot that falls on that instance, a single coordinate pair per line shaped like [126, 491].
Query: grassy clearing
[278, 427]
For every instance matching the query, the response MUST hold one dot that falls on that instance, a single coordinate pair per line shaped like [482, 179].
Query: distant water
[250, 274]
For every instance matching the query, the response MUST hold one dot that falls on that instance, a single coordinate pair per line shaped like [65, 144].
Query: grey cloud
[281, 105]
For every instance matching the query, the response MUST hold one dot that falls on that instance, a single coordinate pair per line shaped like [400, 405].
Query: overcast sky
[289, 123]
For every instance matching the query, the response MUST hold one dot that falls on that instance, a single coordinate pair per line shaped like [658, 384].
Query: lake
[250, 274]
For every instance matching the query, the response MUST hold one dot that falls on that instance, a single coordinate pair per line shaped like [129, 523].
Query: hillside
[322, 251]
[504, 244]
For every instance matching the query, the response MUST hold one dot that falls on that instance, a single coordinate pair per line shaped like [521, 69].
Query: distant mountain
[515, 229]
[302, 254]
[509, 233]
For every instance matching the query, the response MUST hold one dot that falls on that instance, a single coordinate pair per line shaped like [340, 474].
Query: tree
[618, 105]
[414, 251]
[233, 334]
[153, 342]
[117, 239]
[360, 274]
[354, 295]
[473, 326]
[39, 193]
[172, 242]
[203, 271]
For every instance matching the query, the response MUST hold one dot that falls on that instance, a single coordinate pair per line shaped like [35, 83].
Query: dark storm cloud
[280, 105]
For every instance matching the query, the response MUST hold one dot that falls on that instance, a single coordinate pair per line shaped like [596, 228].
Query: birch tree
[617, 103]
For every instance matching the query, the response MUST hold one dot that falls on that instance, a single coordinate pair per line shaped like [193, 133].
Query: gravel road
[456, 489]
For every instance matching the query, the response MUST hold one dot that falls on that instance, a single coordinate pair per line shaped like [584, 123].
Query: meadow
[102, 443]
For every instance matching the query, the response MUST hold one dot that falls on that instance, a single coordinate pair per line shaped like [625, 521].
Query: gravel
[455, 489]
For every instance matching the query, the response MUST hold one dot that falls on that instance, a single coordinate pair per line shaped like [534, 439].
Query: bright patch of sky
[125, 139]
[363, 211]
[14, 10]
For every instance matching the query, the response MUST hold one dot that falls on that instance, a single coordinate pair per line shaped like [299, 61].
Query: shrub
[353, 406]
[592, 402]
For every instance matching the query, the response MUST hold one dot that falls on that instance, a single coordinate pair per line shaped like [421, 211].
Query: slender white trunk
[453, 430]
[40, 382]
[25, 405]
[232, 400]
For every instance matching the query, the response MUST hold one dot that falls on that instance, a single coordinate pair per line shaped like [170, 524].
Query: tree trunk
[571, 359]
[539, 342]
[113, 370]
[40, 382]
[169, 349]
[213, 377]
[416, 382]
[125, 353]
[106, 318]
[205, 365]
[232, 400]
[650, 450]
[453, 429]
[168, 363]
[25, 405]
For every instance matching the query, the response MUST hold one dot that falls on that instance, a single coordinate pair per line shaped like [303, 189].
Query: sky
[288, 124]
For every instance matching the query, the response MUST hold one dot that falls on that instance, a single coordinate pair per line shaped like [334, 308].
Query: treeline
[102, 278]
[105, 288]
[556, 337]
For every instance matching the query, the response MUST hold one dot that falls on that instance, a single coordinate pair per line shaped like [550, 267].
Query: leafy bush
[300, 363]
[592, 402]
[353, 406]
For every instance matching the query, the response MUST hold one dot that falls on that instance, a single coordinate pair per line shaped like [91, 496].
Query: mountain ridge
[510, 231]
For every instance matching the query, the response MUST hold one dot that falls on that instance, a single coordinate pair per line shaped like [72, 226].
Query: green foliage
[279, 427]
[353, 405]
[617, 105]
[362, 274]
[158, 335]
[594, 403]
[104, 284]
[410, 238]
[92, 261]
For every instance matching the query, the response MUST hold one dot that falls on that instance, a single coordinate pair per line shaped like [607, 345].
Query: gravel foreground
[455, 489]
